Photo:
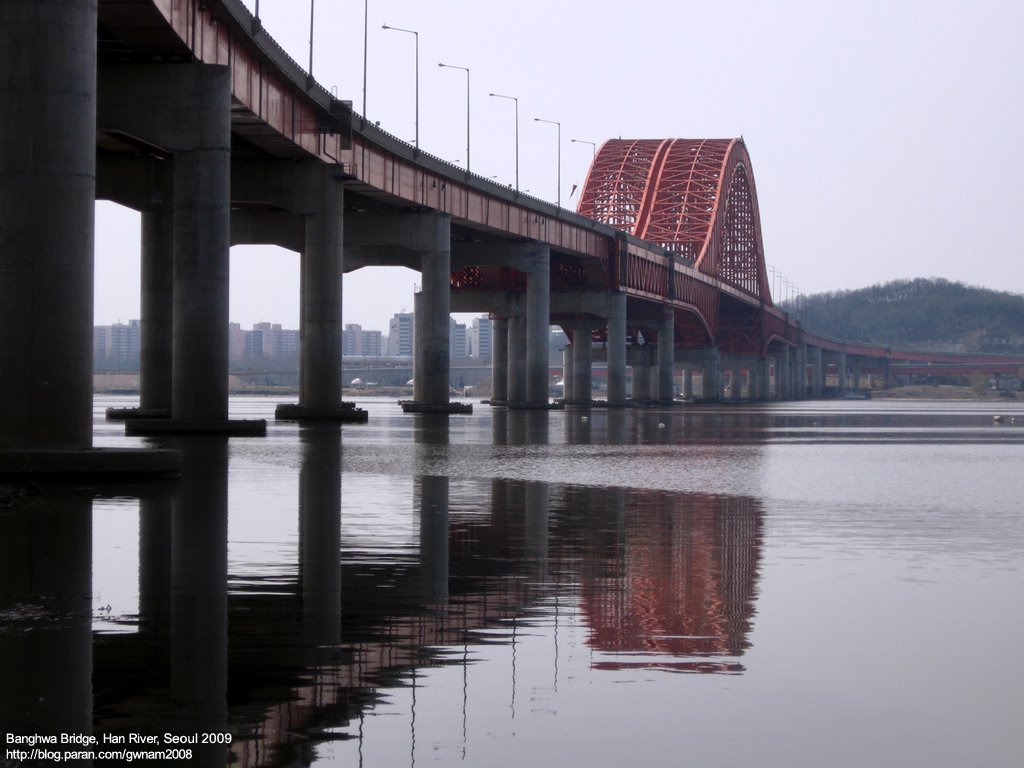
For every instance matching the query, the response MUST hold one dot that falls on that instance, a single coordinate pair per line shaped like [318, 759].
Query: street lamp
[513, 98]
[417, 36]
[311, 39]
[556, 123]
[366, 37]
[584, 141]
[466, 70]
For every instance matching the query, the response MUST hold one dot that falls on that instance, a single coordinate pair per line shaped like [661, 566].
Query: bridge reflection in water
[289, 653]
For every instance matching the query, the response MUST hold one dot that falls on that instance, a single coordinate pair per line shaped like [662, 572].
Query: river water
[802, 584]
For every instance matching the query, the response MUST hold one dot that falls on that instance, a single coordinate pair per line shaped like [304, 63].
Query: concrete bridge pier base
[783, 375]
[817, 372]
[321, 269]
[617, 350]
[538, 326]
[763, 392]
[567, 369]
[582, 357]
[157, 310]
[802, 386]
[666, 357]
[499, 360]
[432, 366]
[688, 383]
[47, 227]
[517, 357]
[641, 383]
[711, 383]
[735, 382]
[842, 373]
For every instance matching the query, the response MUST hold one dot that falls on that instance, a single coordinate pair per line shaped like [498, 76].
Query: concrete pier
[582, 359]
[321, 268]
[433, 314]
[711, 383]
[617, 350]
[567, 369]
[538, 325]
[157, 309]
[641, 383]
[499, 360]
[517, 355]
[47, 191]
[666, 356]
[47, 209]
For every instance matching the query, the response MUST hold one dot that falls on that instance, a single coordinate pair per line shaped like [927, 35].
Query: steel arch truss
[694, 197]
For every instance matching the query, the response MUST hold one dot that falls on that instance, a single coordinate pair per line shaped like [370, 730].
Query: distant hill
[923, 313]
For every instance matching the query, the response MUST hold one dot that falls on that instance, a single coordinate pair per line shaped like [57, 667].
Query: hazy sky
[882, 132]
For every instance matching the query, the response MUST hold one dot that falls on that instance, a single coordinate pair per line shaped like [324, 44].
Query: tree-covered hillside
[927, 313]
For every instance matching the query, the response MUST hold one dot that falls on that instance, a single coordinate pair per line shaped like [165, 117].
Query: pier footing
[225, 427]
[347, 413]
[90, 464]
[414, 406]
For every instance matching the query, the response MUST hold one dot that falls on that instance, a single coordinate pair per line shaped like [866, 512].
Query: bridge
[189, 112]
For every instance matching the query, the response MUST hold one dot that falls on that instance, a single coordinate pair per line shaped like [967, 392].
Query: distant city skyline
[265, 281]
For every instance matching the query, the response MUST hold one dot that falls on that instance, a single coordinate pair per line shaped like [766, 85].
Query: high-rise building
[479, 338]
[355, 342]
[457, 347]
[400, 335]
[116, 346]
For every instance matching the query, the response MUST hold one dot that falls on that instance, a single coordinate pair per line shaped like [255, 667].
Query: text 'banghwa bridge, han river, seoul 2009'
[189, 112]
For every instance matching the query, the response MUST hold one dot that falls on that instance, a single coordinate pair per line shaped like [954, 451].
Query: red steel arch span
[695, 198]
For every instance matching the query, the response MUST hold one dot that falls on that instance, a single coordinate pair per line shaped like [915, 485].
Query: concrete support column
[856, 374]
[433, 318]
[817, 371]
[841, 367]
[538, 325]
[617, 349]
[641, 382]
[499, 359]
[517, 357]
[157, 309]
[688, 383]
[418, 329]
[202, 202]
[666, 356]
[567, 369]
[763, 390]
[710, 378]
[320, 325]
[582, 357]
[47, 196]
[736, 382]
[784, 375]
[802, 372]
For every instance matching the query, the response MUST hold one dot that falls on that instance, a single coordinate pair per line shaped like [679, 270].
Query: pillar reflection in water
[45, 611]
[156, 514]
[199, 627]
[432, 496]
[320, 533]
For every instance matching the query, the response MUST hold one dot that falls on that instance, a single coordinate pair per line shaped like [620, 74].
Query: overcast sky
[882, 132]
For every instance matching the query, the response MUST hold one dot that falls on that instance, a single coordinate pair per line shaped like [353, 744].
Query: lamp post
[466, 70]
[558, 195]
[366, 29]
[311, 2]
[417, 36]
[513, 98]
[584, 141]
